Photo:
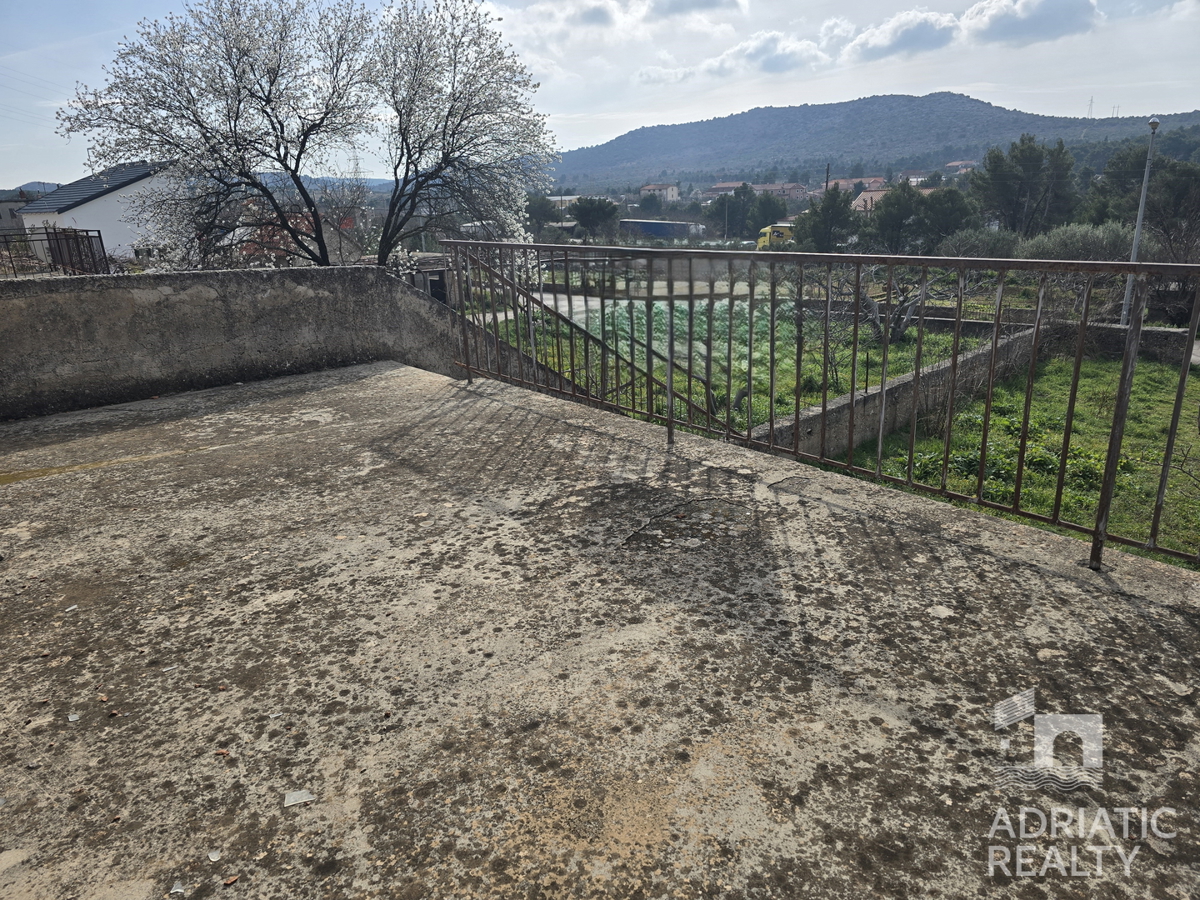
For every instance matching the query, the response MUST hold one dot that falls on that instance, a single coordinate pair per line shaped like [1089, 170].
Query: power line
[30, 79]
[9, 87]
[26, 112]
[36, 124]
[26, 117]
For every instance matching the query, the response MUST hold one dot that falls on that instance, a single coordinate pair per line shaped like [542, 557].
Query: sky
[607, 67]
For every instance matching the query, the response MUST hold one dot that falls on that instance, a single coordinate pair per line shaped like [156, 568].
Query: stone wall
[896, 401]
[1104, 340]
[70, 343]
[1166, 345]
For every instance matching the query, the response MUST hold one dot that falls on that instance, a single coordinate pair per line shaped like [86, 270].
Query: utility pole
[1137, 231]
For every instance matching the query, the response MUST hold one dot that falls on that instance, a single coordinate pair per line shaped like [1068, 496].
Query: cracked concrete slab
[515, 647]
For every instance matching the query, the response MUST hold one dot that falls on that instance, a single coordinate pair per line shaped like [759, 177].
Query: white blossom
[255, 102]
[459, 132]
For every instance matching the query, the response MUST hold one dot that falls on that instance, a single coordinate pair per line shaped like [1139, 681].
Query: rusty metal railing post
[981, 474]
[883, 371]
[798, 317]
[854, 364]
[1176, 417]
[729, 357]
[1023, 449]
[1068, 424]
[772, 360]
[670, 354]
[460, 301]
[650, 337]
[916, 381]
[1120, 413]
[825, 361]
[960, 297]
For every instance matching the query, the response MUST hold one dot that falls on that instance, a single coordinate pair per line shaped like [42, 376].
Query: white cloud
[681, 60]
[1124, 8]
[1025, 21]
[911, 31]
[662, 75]
[836, 33]
[664, 8]
[594, 15]
[770, 52]
[767, 51]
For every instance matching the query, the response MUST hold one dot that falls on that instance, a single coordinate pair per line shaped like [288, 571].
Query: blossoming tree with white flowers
[258, 105]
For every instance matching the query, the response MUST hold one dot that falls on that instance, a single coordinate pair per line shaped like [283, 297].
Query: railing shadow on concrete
[1004, 383]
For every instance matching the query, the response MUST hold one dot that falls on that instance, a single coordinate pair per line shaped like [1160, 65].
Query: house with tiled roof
[667, 193]
[869, 183]
[722, 187]
[98, 202]
[786, 190]
[866, 201]
[11, 204]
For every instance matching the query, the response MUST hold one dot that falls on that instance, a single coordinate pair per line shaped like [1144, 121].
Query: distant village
[985, 208]
[660, 203]
[96, 208]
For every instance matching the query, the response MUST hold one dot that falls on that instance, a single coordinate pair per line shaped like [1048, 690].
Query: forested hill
[879, 131]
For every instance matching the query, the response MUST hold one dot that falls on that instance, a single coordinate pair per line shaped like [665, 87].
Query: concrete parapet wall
[71, 343]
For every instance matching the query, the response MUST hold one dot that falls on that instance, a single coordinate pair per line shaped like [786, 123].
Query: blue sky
[609, 66]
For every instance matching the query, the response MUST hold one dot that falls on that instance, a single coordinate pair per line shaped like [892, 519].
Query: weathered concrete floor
[515, 648]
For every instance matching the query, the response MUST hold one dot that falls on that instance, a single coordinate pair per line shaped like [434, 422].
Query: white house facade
[98, 202]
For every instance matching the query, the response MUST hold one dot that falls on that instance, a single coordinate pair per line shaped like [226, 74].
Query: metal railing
[1003, 383]
[52, 251]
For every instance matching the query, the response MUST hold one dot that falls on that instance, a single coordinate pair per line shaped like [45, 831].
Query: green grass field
[1143, 445]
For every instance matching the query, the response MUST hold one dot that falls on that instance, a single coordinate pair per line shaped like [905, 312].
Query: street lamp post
[1137, 231]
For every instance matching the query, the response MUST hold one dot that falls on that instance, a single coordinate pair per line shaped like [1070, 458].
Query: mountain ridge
[881, 129]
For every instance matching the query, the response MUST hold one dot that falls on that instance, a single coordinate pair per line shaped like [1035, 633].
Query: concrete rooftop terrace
[516, 648]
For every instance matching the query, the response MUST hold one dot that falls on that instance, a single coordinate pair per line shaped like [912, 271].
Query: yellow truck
[774, 235]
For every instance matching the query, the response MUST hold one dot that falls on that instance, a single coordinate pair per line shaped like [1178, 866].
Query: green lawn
[1144, 442]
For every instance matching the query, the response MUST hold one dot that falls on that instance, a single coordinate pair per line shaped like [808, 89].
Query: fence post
[670, 352]
[1120, 412]
[1176, 417]
[460, 290]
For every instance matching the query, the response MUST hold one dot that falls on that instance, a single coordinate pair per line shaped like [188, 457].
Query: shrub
[980, 242]
[1110, 241]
